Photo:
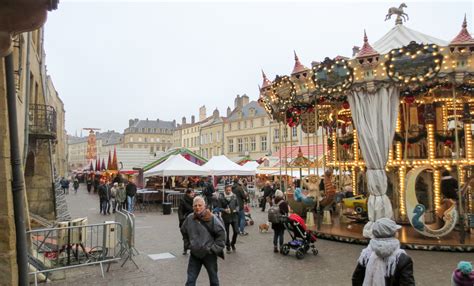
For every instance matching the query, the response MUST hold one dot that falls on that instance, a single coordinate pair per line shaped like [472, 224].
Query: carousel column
[401, 170]
[468, 147]
[430, 128]
[355, 146]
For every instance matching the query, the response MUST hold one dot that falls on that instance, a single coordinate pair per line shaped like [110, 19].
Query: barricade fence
[174, 199]
[75, 243]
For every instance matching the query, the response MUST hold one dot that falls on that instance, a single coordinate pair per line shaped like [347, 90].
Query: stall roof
[177, 165]
[223, 166]
[188, 154]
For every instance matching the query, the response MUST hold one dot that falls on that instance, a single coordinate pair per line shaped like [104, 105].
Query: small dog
[264, 227]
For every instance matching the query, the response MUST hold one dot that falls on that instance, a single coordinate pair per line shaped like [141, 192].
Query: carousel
[395, 121]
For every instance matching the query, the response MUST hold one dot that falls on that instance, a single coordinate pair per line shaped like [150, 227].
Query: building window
[262, 122]
[294, 131]
[218, 137]
[231, 145]
[230, 126]
[276, 133]
[246, 144]
[239, 125]
[285, 133]
[251, 123]
[240, 146]
[263, 143]
[253, 143]
[210, 137]
[152, 139]
[139, 139]
[245, 124]
[131, 139]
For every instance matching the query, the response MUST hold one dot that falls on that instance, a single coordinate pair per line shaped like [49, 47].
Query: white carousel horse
[397, 11]
[311, 183]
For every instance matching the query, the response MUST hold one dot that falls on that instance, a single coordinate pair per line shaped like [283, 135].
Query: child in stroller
[302, 239]
[248, 216]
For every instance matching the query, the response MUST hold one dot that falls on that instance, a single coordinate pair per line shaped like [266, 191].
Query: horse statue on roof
[397, 11]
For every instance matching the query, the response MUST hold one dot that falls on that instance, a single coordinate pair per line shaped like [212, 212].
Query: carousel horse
[397, 11]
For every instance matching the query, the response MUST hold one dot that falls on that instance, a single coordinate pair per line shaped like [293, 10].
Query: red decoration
[448, 143]
[346, 105]
[346, 146]
[409, 99]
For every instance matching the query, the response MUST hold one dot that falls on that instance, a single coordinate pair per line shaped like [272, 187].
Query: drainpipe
[18, 183]
[27, 98]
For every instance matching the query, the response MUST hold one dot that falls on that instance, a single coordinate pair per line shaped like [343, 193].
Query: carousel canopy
[223, 166]
[177, 165]
[400, 36]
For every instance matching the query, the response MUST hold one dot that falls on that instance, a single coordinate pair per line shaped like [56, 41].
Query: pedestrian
[463, 274]
[268, 192]
[121, 197]
[229, 206]
[184, 209]
[75, 185]
[113, 196]
[203, 234]
[208, 192]
[131, 191]
[89, 182]
[241, 196]
[383, 262]
[64, 185]
[279, 228]
[103, 196]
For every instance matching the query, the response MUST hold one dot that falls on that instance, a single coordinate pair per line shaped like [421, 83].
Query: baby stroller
[302, 239]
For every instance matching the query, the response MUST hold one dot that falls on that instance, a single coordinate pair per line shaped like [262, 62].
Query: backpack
[274, 214]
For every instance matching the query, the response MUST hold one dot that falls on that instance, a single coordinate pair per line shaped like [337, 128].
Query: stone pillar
[39, 188]
[8, 263]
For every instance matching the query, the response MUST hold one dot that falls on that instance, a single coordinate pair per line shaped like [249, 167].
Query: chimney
[174, 122]
[245, 100]
[228, 111]
[130, 122]
[202, 113]
[237, 101]
[136, 120]
[157, 120]
[215, 114]
[183, 120]
[355, 50]
[193, 119]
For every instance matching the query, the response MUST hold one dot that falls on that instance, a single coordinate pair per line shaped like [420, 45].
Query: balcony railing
[42, 121]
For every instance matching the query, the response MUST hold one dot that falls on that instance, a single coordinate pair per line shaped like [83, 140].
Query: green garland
[440, 137]
[399, 138]
[349, 140]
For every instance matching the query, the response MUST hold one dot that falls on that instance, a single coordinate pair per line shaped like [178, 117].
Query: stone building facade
[155, 135]
[212, 136]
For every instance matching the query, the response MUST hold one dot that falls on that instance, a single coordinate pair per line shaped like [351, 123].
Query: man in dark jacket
[268, 193]
[239, 192]
[390, 265]
[104, 196]
[208, 192]
[228, 206]
[184, 209]
[131, 191]
[204, 235]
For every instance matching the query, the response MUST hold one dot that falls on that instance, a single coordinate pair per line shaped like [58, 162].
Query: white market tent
[223, 166]
[251, 165]
[177, 165]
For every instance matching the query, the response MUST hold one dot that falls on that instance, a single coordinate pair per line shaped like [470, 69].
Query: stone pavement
[254, 262]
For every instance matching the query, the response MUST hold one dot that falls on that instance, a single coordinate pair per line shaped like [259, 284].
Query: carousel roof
[367, 50]
[266, 81]
[463, 37]
[400, 36]
[298, 66]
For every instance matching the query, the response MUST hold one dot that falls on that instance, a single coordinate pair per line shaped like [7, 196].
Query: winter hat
[384, 228]
[465, 267]
[278, 194]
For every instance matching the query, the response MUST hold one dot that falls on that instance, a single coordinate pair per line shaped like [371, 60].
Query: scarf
[205, 215]
[380, 259]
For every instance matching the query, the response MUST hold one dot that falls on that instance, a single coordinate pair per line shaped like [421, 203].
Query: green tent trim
[176, 151]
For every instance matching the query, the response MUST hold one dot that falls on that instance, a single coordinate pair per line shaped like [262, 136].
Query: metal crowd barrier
[174, 199]
[73, 244]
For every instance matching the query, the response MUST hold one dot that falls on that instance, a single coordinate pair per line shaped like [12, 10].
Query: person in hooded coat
[185, 208]
[383, 262]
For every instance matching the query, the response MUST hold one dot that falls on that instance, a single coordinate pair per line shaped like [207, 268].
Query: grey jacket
[199, 240]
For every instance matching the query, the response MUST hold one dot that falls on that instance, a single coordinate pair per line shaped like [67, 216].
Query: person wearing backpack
[278, 228]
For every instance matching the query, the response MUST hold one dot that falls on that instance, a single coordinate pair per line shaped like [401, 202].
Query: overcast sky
[115, 60]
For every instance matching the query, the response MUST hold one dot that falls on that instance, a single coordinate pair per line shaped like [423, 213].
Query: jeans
[242, 221]
[104, 206]
[235, 232]
[194, 267]
[278, 236]
[114, 204]
[131, 203]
